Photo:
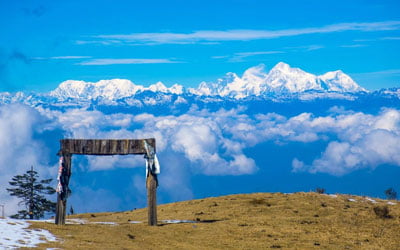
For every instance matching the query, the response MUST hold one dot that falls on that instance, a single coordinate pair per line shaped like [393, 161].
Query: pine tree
[31, 190]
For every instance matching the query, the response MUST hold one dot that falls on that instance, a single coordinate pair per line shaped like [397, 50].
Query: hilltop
[243, 221]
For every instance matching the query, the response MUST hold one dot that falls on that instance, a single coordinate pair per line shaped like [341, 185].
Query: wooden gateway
[68, 147]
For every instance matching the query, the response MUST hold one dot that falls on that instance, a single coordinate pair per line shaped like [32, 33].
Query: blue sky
[46, 42]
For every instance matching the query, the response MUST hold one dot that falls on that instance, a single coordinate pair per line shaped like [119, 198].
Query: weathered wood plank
[104, 146]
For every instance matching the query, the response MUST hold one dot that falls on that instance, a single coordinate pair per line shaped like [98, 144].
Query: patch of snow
[371, 200]
[391, 203]
[352, 200]
[333, 195]
[48, 221]
[76, 221]
[15, 234]
[178, 221]
[83, 221]
[135, 222]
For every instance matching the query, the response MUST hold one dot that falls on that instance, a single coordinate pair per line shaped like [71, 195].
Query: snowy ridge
[339, 82]
[255, 81]
[108, 89]
[281, 84]
[281, 79]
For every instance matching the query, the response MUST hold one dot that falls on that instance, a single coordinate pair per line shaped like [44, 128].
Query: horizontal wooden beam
[105, 146]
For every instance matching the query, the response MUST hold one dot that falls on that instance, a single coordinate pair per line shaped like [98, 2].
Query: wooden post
[60, 211]
[61, 207]
[151, 185]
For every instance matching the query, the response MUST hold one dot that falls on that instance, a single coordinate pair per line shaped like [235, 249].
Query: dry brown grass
[245, 221]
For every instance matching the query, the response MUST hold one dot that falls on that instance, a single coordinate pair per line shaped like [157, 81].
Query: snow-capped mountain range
[108, 89]
[255, 81]
[281, 83]
[280, 79]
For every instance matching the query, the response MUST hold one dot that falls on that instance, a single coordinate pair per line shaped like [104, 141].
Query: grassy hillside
[245, 221]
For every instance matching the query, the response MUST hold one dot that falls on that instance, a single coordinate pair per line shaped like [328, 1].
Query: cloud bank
[213, 143]
[364, 141]
[112, 61]
[199, 136]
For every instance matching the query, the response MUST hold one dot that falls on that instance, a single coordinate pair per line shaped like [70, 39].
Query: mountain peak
[158, 87]
[283, 78]
[338, 81]
[281, 66]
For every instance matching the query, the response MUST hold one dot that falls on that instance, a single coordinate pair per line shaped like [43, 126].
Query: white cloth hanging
[153, 165]
[59, 188]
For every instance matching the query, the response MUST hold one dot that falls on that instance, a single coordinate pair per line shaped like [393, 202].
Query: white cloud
[19, 150]
[175, 177]
[339, 158]
[369, 140]
[353, 45]
[366, 141]
[389, 72]
[62, 57]
[199, 135]
[213, 142]
[240, 56]
[256, 53]
[111, 61]
[297, 165]
[70, 57]
[196, 141]
[110, 162]
[391, 38]
[219, 57]
[238, 35]
[305, 48]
